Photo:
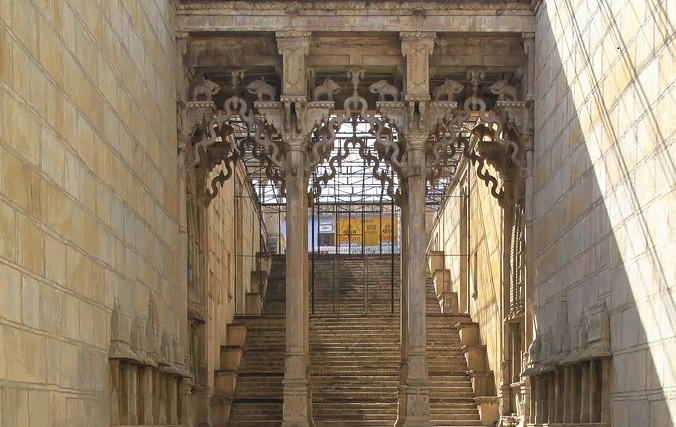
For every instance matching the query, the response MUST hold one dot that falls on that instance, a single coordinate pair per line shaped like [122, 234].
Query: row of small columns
[142, 395]
[572, 394]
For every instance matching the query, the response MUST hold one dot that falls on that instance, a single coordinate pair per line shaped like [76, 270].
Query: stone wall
[233, 242]
[478, 263]
[88, 210]
[604, 188]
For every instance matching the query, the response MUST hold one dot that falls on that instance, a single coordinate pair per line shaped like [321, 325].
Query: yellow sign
[372, 230]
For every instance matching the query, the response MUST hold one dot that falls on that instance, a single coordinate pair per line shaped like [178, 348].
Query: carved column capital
[416, 39]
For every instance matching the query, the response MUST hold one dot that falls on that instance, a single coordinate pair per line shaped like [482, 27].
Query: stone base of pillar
[417, 401]
[297, 404]
[401, 405]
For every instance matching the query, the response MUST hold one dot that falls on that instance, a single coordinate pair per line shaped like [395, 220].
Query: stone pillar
[567, 395]
[185, 411]
[584, 393]
[605, 390]
[294, 47]
[551, 393]
[594, 413]
[403, 304]
[539, 401]
[417, 381]
[146, 387]
[575, 383]
[115, 392]
[132, 393]
[558, 416]
[417, 47]
[296, 378]
[172, 409]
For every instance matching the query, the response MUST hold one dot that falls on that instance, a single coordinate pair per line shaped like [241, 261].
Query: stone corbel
[316, 113]
[440, 112]
[514, 115]
[271, 112]
[394, 112]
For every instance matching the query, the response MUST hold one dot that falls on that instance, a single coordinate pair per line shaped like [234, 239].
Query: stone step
[354, 351]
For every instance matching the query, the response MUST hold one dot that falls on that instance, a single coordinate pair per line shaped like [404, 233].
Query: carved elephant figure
[382, 88]
[261, 88]
[328, 89]
[206, 88]
[450, 88]
[503, 90]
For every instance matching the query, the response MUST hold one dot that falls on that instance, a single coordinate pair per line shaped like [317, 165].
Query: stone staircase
[354, 351]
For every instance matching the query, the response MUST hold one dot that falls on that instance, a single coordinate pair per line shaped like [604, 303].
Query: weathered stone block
[489, 411]
[14, 407]
[224, 383]
[435, 261]
[253, 304]
[448, 301]
[469, 333]
[38, 399]
[6, 46]
[230, 357]
[483, 383]
[7, 231]
[475, 356]
[236, 333]
[30, 302]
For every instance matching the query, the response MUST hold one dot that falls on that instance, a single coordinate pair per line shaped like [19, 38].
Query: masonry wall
[604, 188]
[233, 242]
[479, 263]
[88, 204]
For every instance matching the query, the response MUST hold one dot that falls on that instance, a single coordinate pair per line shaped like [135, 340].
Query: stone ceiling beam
[499, 17]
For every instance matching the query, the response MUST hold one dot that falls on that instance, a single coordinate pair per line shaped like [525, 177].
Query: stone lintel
[374, 17]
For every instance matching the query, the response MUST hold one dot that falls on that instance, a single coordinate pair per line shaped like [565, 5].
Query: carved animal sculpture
[503, 90]
[206, 88]
[382, 88]
[450, 88]
[261, 88]
[328, 89]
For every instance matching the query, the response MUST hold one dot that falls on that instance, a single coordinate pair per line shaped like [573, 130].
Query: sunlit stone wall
[604, 188]
[88, 203]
